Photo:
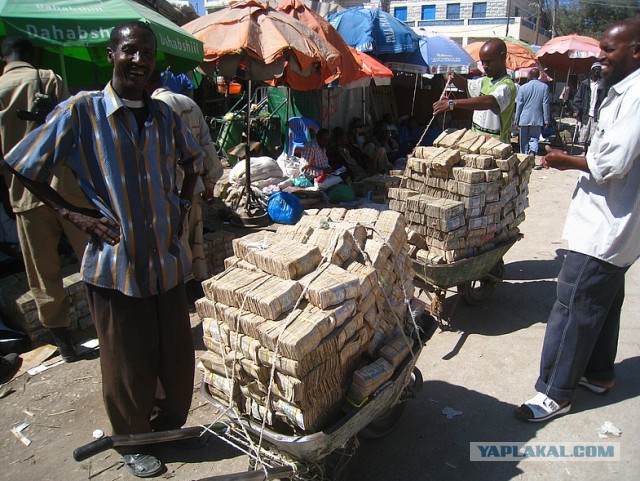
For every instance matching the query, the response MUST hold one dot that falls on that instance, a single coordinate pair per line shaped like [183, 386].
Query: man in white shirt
[602, 230]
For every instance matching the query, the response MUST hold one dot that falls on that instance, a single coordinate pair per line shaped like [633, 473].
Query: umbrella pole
[565, 86]
[364, 105]
[247, 148]
[415, 89]
[254, 215]
[63, 68]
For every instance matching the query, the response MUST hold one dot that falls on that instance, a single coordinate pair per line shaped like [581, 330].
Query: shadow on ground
[435, 448]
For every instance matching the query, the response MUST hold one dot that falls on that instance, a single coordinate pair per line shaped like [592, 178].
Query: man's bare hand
[441, 106]
[561, 160]
[100, 230]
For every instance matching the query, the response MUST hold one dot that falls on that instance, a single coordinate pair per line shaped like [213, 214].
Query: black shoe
[9, 365]
[64, 341]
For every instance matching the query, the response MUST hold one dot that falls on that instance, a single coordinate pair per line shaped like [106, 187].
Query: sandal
[142, 465]
[540, 408]
[584, 382]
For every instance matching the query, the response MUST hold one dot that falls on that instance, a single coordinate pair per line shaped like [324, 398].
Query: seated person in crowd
[314, 156]
[340, 156]
[409, 136]
[391, 125]
[357, 132]
[380, 148]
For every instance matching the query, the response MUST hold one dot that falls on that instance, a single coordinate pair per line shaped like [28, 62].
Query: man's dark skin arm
[561, 160]
[100, 229]
[484, 102]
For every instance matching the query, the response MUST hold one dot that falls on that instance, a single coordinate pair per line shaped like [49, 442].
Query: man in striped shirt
[314, 156]
[124, 148]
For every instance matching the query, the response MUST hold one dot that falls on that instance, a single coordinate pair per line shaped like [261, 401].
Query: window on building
[428, 12]
[453, 11]
[400, 13]
[479, 10]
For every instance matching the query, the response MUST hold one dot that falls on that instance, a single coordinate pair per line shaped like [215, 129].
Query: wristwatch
[186, 204]
[452, 104]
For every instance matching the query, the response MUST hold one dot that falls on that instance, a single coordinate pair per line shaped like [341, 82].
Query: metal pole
[554, 27]
[247, 149]
[535, 42]
[506, 34]
[63, 68]
[415, 89]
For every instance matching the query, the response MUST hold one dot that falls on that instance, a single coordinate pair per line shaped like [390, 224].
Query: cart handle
[108, 442]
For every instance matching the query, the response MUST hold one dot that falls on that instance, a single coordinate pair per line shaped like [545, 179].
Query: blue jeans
[529, 136]
[581, 338]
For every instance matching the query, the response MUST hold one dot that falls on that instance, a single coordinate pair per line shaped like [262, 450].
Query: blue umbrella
[373, 30]
[436, 54]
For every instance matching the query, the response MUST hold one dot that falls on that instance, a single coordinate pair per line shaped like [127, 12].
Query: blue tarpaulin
[373, 30]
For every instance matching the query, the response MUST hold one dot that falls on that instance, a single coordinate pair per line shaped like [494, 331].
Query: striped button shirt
[129, 175]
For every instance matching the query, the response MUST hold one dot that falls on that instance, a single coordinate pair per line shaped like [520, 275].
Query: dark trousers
[147, 358]
[581, 338]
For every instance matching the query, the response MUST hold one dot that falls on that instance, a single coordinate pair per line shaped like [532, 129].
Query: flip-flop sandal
[541, 408]
[584, 382]
[142, 465]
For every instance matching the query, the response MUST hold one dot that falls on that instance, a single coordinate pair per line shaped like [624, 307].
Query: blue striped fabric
[129, 175]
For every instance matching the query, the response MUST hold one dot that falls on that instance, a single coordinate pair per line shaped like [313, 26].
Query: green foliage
[592, 17]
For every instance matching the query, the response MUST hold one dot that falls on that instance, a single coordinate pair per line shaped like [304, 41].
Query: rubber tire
[383, 424]
[387, 421]
[476, 292]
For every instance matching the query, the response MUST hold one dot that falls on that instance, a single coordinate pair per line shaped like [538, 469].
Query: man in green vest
[493, 97]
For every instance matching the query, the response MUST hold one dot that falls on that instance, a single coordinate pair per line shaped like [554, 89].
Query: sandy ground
[483, 366]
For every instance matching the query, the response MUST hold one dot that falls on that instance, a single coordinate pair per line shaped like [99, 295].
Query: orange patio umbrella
[376, 72]
[348, 68]
[267, 44]
[569, 53]
[518, 56]
[371, 67]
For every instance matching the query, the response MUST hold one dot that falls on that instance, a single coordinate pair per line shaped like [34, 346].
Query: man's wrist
[452, 104]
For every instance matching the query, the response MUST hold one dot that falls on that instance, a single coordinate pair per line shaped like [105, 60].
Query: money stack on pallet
[463, 196]
[297, 311]
[22, 308]
[217, 247]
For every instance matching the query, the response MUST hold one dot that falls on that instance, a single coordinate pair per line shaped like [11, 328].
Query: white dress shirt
[604, 215]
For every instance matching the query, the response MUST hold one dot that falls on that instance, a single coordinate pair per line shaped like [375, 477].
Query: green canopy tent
[73, 35]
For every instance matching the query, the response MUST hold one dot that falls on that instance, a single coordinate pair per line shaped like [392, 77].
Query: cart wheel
[476, 292]
[383, 424]
[387, 421]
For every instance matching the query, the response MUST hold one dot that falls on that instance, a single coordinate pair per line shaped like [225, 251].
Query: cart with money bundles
[463, 199]
[312, 336]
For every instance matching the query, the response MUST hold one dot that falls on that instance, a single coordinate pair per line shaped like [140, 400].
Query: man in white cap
[586, 103]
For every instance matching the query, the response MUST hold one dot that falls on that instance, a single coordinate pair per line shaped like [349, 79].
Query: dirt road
[481, 368]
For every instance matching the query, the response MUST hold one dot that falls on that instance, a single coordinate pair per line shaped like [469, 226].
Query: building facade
[465, 21]
[471, 21]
